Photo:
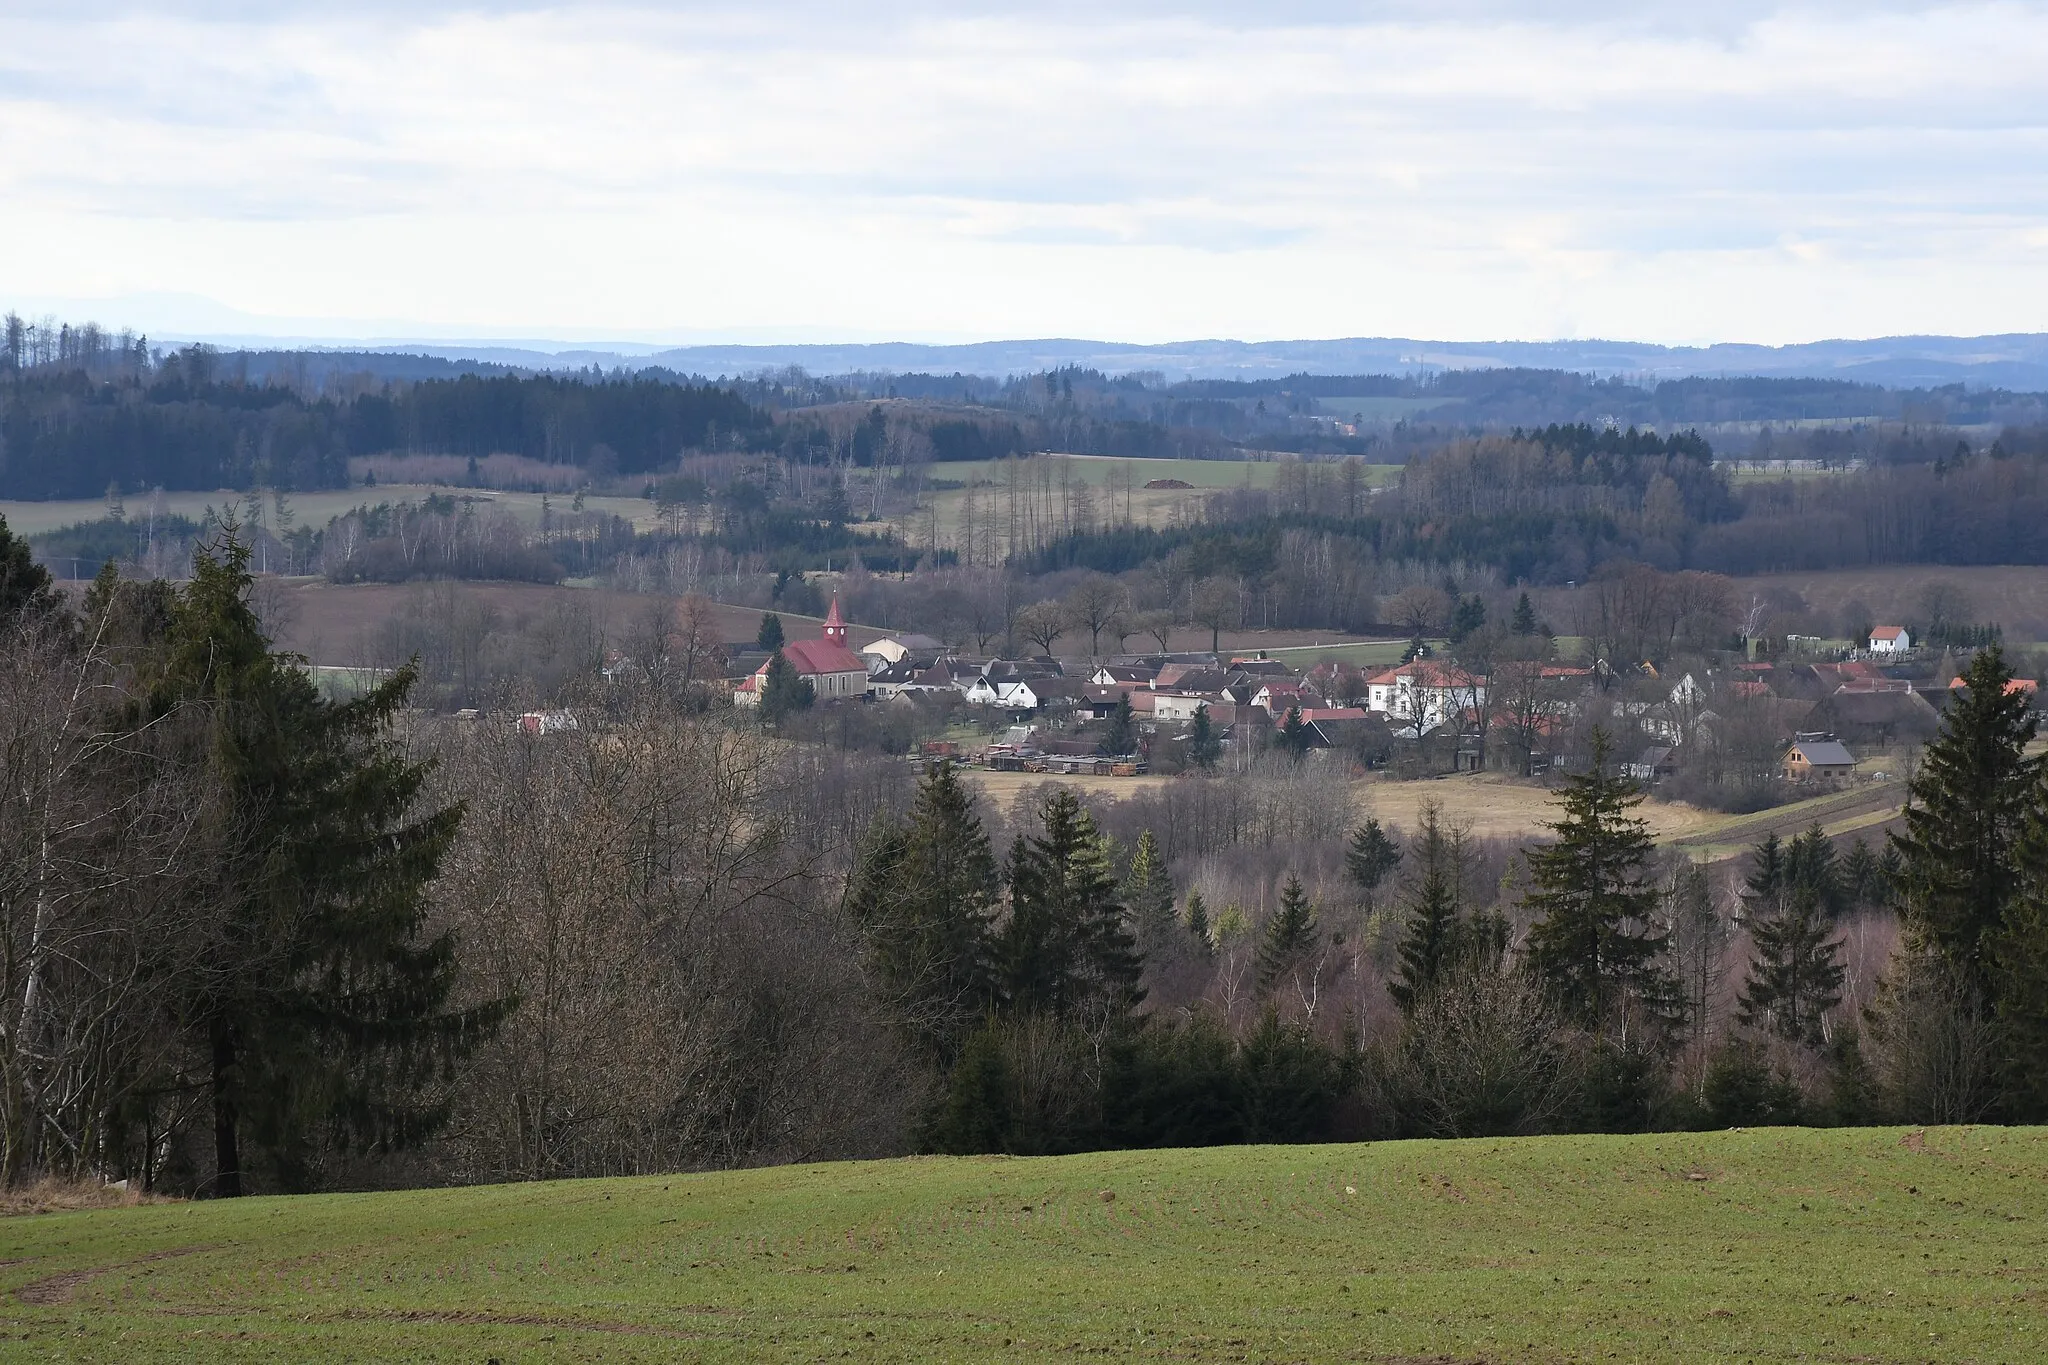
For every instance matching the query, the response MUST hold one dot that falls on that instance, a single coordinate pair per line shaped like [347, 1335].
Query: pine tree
[1066, 950]
[1795, 976]
[1433, 942]
[1595, 943]
[25, 586]
[770, 637]
[1148, 896]
[1765, 884]
[1290, 934]
[1862, 878]
[1969, 804]
[1122, 735]
[1525, 616]
[1203, 746]
[319, 999]
[1811, 867]
[925, 896]
[784, 691]
[1294, 733]
[2018, 953]
[1371, 856]
[1198, 924]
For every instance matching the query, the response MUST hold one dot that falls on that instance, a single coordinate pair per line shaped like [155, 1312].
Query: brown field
[1500, 807]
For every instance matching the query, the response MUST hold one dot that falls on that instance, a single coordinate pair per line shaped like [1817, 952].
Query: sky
[1118, 170]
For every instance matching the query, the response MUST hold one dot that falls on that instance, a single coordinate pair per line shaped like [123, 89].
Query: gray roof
[1825, 753]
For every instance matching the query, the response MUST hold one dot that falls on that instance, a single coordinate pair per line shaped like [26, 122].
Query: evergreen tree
[784, 691]
[1863, 885]
[1525, 616]
[1795, 975]
[1122, 735]
[1148, 896]
[925, 896]
[1969, 804]
[1765, 883]
[1433, 942]
[1198, 923]
[1811, 867]
[25, 586]
[1066, 950]
[770, 637]
[319, 1000]
[1595, 943]
[1203, 746]
[1290, 934]
[1294, 733]
[1371, 856]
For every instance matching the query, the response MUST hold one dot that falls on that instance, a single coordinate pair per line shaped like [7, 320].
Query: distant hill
[2017, 361]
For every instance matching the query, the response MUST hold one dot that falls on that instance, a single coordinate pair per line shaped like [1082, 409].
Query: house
[1659, 760]
[890, 679]
[895, 648]
[1183, 705]
[1424, 692]
[1278, 695]
[1890, 640]
[834, 672]
[1856, 716]
[1129, 675]
[1822, 757]
[1030, 694]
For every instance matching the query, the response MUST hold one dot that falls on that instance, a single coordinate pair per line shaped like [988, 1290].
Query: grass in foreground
[1866, 1245]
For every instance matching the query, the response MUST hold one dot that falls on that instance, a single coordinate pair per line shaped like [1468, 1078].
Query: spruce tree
[1431, 945]
[1970, 803]
[1595, 943]
[1294, 733]
[925, 896]
[769, 637]
[1203, 746]
[318, 999]
[1811, 867]
[784, 691]
[1148, 896]
[1290, 934]
[1795, 975]
[1198, 924]
[1066, 950]
[1122, 735]
[2018, 954]
[1371, 856]
[26, 588]
[1765, 883]
[1525, 616]
[1862, 877]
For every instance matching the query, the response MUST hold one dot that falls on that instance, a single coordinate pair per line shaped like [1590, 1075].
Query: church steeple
[835, 626]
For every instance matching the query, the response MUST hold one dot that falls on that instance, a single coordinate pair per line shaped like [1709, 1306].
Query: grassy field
[1767, 1245]
[309, 509]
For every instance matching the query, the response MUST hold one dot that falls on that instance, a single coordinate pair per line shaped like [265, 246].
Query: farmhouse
[1823, 758]
[1890, 640]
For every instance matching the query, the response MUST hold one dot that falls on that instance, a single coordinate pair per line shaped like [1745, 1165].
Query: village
[1789, 724]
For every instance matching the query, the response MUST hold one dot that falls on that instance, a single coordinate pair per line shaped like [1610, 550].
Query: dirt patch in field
[55, 1289]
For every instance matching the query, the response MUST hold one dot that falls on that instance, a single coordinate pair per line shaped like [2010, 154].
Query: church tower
[835, 626]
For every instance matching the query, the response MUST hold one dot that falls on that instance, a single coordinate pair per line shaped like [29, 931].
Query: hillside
[1779, 1244]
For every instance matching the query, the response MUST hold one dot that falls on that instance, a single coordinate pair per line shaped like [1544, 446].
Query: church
[834, 670]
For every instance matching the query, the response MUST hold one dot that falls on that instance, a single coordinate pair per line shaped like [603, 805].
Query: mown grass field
[1768, 1245]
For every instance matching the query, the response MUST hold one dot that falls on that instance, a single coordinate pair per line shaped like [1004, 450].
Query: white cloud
[1137, 171]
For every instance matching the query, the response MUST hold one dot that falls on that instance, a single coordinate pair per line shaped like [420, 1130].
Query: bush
[1742, 1089]
[1483, 1056]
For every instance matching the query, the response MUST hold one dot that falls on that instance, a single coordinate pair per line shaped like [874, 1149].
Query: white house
[893, 648]
[1424, 692]
[1890, 640]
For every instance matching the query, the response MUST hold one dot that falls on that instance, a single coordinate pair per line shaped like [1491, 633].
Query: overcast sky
[1134, 171]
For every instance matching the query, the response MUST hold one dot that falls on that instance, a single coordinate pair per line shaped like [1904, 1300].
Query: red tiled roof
[812, 657]
[1886, 632]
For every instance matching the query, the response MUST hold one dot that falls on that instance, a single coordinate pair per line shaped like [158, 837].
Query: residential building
[1823, 757]
[1890, 640]
[1425, 692]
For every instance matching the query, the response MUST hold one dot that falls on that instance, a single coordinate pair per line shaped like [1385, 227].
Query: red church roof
[812, 657]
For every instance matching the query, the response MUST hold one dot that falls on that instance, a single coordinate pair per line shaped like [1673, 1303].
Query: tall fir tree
[1371, 856]
[1203, 745]
[1970, 802]
[1431, 944]
[1811, 867]
[1067, 950]
[1765, 881]
[1290, 934]
[925, 897]
[784, 691]
[1121, 735]
[1198, 924]
[1862, 878]
[26, 588]
[1525, 616]
[769, 636]
[1595, 943]
[1148, 896]
[2018, 953]
[1795, 971]
[320, 999]
[1294, 733]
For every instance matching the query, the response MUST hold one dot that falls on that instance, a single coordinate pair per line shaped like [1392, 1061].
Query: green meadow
[1765, 1245]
